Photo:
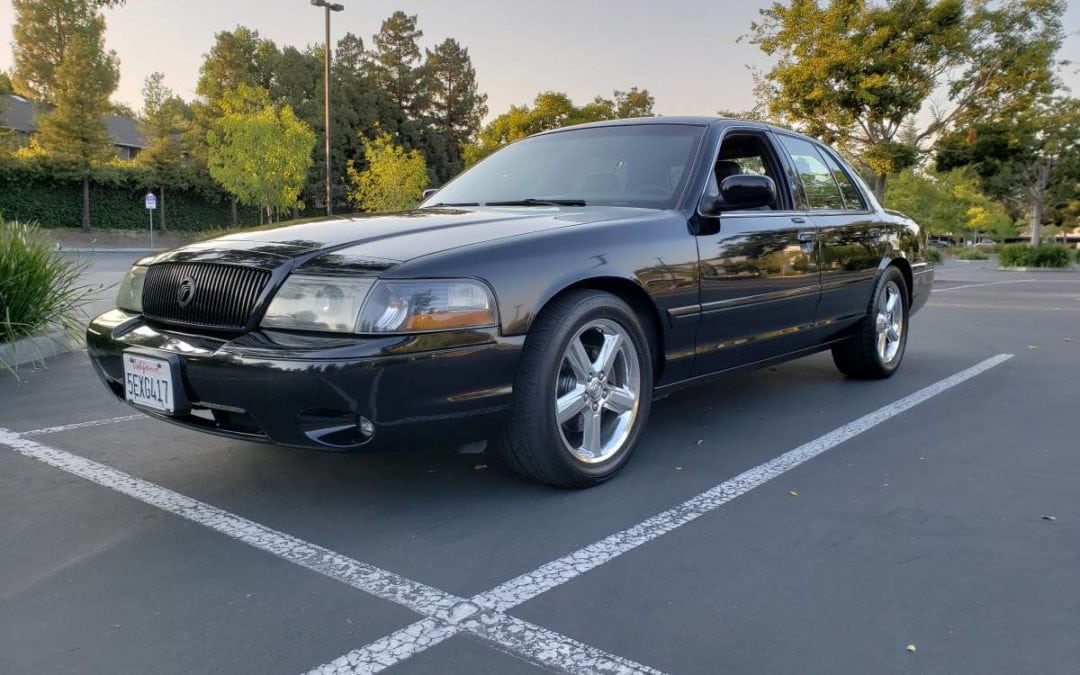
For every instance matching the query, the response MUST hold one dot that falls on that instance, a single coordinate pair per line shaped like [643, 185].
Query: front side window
[818, 182]
[643, 165]
[746, 153]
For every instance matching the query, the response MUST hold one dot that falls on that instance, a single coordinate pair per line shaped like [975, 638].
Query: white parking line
[991, 283]
[81, 425]
[446, 613]
[504, 597]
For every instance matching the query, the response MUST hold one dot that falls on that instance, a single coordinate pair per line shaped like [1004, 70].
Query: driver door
[759, 273]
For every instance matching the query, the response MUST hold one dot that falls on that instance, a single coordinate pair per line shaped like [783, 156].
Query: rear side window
[853, 199]
[822, 191]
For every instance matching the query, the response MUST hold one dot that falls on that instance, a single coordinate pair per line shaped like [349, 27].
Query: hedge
[1022, 255]
[34, 189]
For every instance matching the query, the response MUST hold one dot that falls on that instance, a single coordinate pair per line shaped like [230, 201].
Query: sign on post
[151, 205]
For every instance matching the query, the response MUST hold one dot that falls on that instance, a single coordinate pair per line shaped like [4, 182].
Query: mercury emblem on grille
[185, 293]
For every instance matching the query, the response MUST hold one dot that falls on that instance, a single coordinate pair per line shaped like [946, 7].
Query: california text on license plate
[148, 382]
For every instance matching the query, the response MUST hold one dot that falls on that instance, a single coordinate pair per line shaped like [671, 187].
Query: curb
[1052, 270]
[111, 250]
[37, 348]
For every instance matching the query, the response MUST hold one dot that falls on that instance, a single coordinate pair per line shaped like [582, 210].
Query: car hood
[382, 241]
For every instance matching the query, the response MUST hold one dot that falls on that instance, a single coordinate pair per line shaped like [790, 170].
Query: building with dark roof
[19, 116]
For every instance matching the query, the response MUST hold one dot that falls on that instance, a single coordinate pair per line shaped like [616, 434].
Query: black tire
[860, 357]
[533, 443]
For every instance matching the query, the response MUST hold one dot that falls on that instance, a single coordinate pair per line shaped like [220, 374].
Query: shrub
[1015, 255]
[1022, 255]
[934, 255]
[39, 287]
[972, 254]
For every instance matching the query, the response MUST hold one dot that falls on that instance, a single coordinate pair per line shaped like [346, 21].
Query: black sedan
[541, 300]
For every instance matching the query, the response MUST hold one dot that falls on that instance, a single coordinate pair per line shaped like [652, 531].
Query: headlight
[129, 296]
[317, 303]
[413, 306]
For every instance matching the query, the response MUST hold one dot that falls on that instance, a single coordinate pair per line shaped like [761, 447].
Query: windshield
[643, 165]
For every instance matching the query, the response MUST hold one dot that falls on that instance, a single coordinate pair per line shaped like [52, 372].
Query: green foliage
[1022, 255]
[858, 73]
[39, 288]
[74, 132]
[259, 153]
[1029, 159]
[394, 180]
[948, 203]
[552, 110]
[395, 65]
[972, 253]
[456, 105]
[44, 31]
[5, 83]
[934, 255]
[33, 187]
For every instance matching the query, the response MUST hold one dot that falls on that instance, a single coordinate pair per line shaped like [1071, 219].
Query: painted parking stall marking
[484, 615]
[82, 425]
[448, 613]
[520, 589]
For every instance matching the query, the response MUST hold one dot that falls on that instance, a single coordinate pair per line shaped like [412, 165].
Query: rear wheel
[877, 347]
[582, 392]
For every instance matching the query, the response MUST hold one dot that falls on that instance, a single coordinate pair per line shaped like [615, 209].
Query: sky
[685, 52]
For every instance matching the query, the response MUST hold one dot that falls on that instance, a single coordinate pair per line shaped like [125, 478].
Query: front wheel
[877, 347]
[582, 393]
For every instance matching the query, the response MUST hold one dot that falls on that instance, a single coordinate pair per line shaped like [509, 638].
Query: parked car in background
[542, 299]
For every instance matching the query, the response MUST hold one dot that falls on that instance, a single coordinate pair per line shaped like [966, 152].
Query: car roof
[693, 120]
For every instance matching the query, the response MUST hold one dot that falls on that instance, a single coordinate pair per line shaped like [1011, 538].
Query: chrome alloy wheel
[890, 323]
[597, 391]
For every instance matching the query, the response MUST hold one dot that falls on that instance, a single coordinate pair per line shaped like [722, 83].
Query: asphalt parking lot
[780, 521]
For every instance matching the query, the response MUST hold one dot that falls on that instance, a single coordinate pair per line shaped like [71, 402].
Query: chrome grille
[223, 296]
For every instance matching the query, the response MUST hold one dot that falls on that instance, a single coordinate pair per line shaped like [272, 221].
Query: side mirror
[429, 192]
[746, 191]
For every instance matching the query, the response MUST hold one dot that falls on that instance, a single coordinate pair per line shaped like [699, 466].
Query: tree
[259, 153]
[855, 73]
[394, 179]
[552, 110]
[457, 107]
[948, 203]
[5, 83]
[634, 103]
[1029, 159]
[395, 66]
[74, 131]
[43, 31]
[166, 125]
[237, 58]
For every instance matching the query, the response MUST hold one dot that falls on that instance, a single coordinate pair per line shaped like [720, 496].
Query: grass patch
[39, 287]
[1022, 255]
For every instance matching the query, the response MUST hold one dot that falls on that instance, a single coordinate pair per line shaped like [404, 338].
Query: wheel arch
[904, 266]
[632, 294]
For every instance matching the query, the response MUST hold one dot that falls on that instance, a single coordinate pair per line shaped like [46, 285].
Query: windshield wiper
[453, 204]
[539, 202]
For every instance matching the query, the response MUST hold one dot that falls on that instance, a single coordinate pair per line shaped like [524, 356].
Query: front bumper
[314, 391]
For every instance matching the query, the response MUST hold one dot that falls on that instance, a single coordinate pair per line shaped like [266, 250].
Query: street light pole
[329, 7]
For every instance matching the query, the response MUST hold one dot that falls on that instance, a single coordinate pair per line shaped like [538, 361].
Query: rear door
[850, 238]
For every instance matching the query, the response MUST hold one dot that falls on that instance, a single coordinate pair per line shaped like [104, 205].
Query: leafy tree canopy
[260, 153]
[552, 110]
[394, 179]
[856, 72]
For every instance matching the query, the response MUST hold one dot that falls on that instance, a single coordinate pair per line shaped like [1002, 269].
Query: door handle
[798, 219]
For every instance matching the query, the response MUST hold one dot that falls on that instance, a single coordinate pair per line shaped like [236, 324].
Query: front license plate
[149, 382]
